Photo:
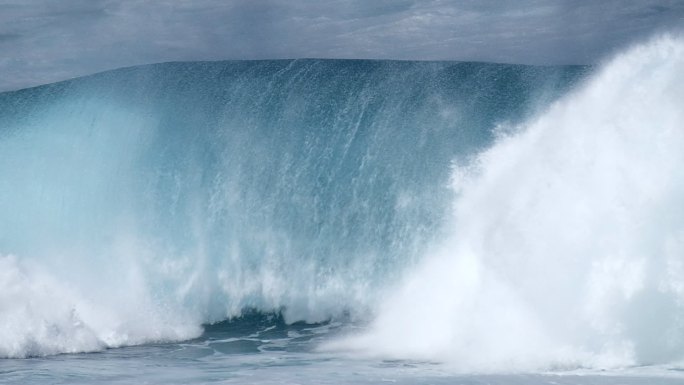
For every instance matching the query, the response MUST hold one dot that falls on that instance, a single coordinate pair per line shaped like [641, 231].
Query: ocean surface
[346, 222]
[259, 349]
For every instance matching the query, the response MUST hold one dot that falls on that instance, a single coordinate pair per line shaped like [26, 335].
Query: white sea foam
[42, 315]
[567, 241]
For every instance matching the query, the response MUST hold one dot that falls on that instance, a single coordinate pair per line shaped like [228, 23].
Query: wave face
[140, 203]
[567, 237]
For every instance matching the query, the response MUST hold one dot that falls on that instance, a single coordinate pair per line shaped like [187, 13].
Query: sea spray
[567, 237]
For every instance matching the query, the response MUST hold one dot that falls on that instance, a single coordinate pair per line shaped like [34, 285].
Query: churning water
[355, 221]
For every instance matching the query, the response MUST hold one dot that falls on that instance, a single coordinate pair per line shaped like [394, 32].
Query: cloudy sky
[42, 41]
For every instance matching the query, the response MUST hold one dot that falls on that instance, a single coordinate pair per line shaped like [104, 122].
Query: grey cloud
[43, 41]
[9, 36]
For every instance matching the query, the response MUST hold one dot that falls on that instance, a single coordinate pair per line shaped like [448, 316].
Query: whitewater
[347, 221]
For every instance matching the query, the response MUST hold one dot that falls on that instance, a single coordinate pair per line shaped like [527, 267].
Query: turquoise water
[143, 202]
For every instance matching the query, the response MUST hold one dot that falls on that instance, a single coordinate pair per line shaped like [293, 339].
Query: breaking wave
[466, 212]
[566, 242]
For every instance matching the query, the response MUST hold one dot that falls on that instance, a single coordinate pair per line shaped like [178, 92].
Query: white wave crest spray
[567, 248]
